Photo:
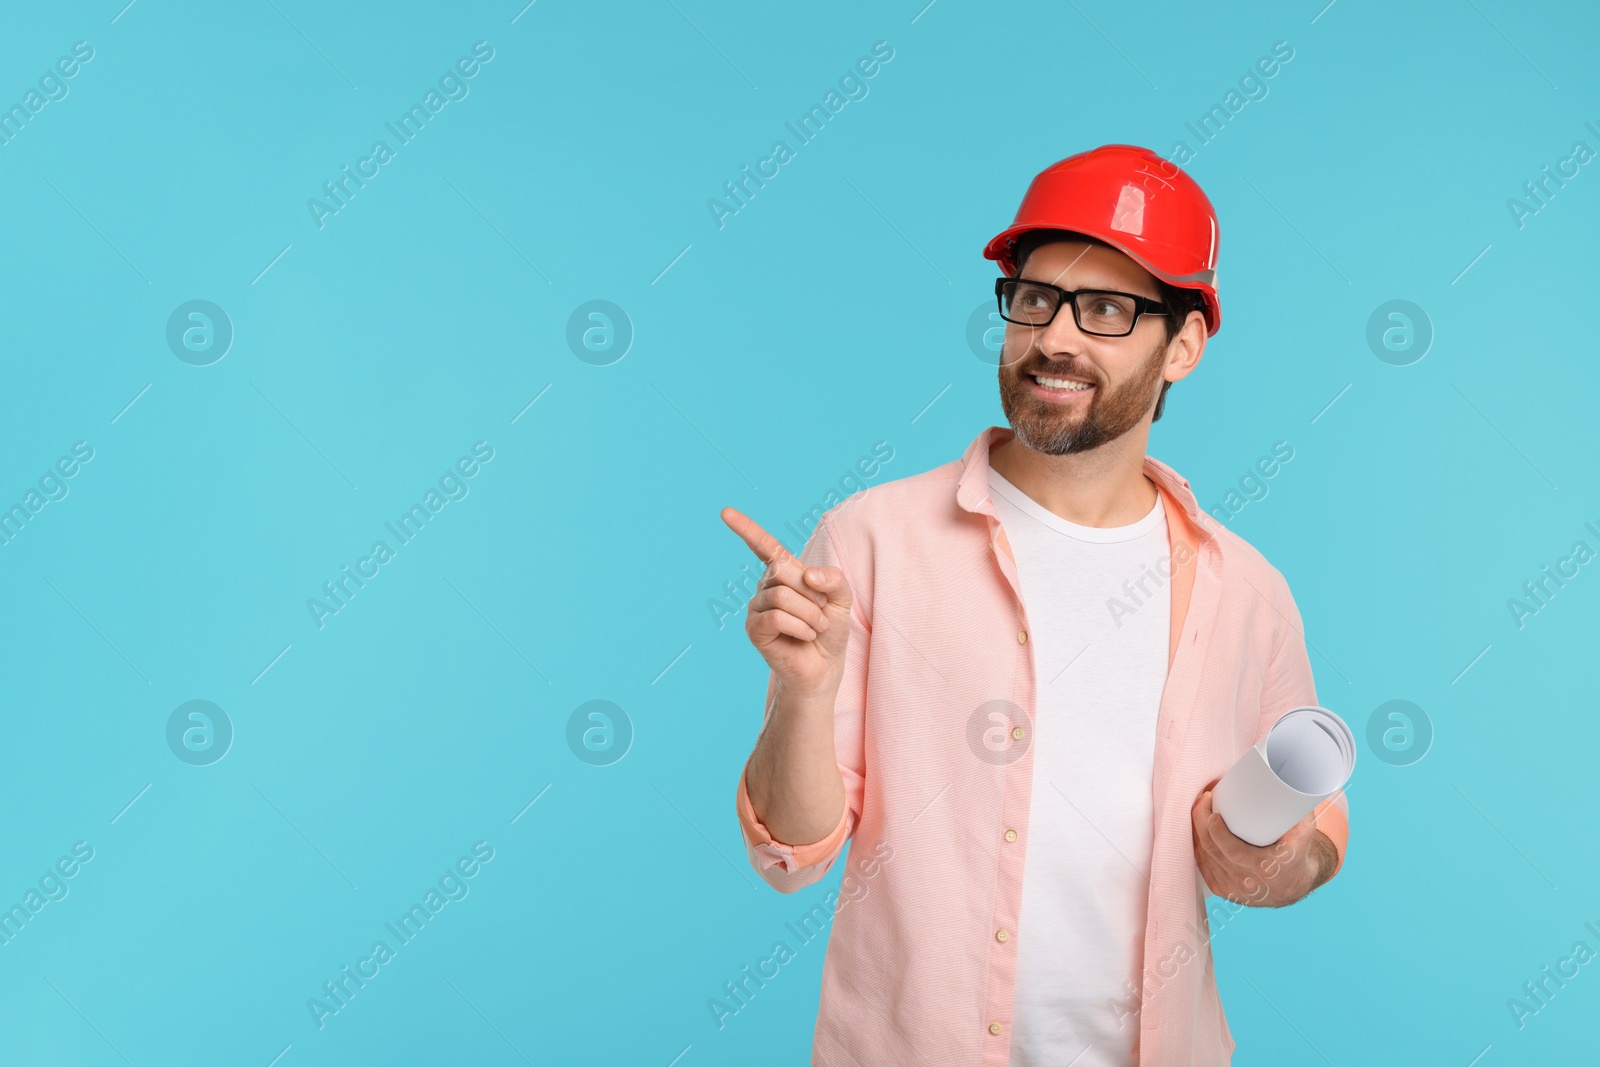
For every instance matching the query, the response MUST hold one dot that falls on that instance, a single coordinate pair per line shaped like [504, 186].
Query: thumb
[829, 581]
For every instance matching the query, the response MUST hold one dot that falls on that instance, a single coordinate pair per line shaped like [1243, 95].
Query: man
[1013, 680]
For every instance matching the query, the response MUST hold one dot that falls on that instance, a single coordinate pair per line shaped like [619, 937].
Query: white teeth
[1061, 383]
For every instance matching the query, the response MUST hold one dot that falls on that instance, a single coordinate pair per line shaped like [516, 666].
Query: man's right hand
[799, 617]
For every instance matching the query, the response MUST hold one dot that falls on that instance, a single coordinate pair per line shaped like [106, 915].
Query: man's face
[1123, 373]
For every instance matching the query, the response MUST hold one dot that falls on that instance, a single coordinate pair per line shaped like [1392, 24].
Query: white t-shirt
[1098, 613]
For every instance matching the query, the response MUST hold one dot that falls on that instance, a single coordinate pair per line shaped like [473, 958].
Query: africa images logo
[453, 885]
[453, 485]
[853, 86]
[452, 87]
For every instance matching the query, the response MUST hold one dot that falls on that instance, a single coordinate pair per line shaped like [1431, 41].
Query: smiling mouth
[1062, 387]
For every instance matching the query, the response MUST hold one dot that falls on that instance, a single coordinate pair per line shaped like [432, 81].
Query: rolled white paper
[1306, 757]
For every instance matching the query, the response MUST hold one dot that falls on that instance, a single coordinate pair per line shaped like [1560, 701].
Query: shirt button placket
[1003, 935]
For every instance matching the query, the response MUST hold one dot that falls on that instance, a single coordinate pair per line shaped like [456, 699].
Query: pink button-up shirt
[933, 737]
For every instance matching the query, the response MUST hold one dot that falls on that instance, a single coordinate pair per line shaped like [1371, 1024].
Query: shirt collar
[972, 490]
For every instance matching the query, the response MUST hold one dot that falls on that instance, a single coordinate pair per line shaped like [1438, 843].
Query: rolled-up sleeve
[791, 867]
[1289, 684]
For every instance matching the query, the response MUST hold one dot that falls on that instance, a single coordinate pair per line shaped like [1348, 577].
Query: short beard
[1043, 427]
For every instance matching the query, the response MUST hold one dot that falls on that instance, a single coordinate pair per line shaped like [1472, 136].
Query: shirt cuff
[773, 852]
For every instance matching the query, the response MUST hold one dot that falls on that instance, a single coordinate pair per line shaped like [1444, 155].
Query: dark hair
[1179, 301]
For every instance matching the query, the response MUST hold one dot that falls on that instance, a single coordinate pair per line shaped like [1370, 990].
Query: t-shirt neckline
[1099, 534]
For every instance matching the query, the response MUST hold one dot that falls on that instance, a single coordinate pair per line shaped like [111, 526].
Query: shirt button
[1016, 732]
[1001, 935]
[1011, 835]
[994, 1028]
[1022, 637]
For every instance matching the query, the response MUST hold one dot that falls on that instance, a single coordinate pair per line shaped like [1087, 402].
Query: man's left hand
[1267, 876]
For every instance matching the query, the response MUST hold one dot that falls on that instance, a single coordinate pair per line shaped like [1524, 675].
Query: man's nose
[1062, 335]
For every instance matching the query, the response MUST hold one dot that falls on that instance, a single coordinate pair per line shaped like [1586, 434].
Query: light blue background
[768, 355]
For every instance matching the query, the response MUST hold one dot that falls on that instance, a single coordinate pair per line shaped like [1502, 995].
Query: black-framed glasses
[1102, 312]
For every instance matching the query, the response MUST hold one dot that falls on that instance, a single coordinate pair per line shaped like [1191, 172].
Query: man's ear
[1186, 347]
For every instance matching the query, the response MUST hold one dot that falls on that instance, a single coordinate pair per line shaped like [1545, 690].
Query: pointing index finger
[768, 548]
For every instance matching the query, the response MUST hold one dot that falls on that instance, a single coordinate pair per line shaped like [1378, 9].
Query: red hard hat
[1133, 200]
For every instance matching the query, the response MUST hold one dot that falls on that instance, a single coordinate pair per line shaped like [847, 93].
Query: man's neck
[1103, 487]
